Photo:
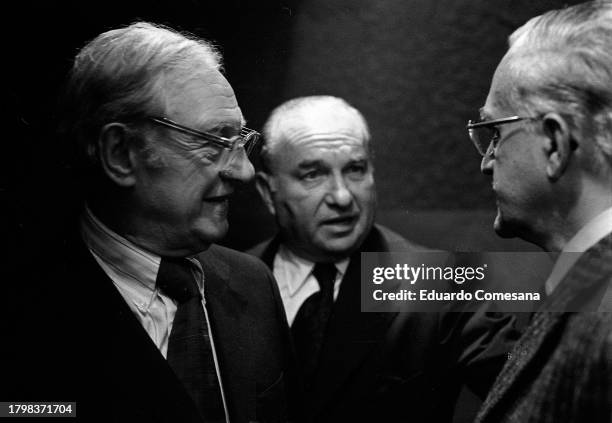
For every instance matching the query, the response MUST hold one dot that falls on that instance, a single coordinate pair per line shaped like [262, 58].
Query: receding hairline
[290, 116]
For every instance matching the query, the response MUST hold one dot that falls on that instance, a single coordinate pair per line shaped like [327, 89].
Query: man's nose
[486, 164]
[238, 167]
[340, 195]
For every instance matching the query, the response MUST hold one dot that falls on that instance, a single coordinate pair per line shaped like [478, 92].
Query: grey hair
[562, 62]
[124, 75]
[275, 130]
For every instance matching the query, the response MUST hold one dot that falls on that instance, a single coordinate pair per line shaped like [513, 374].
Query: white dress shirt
[296, 282]
[589, 235]
[134, 273]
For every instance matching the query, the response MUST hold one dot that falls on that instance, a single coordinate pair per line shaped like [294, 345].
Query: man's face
[323, 191]
[182, 196]
[515, 165]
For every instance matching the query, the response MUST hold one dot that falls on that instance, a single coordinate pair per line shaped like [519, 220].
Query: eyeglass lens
[251, 144]
[483, 136]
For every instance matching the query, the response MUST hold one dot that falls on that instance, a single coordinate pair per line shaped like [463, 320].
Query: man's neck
[562, 224]
[148, 237]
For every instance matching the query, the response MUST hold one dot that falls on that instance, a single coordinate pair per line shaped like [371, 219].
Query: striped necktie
[190, 353]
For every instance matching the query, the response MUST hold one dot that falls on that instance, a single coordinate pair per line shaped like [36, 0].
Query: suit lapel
[539, 339]
[231, 335]
[584, 279]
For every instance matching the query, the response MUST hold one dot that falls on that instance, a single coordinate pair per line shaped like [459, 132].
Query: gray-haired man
[546, 139]
[157, 323]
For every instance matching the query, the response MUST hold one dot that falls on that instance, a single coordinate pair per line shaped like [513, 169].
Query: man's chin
[341, 248]
[212, 232]
[502, 228]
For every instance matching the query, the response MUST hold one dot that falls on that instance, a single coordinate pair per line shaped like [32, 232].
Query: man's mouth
[345, 220]
[217, 199]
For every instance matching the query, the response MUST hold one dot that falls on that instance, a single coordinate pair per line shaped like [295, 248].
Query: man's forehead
[497, 98]
[321, 148]
[310, 127]
[326, 141]
[322, 116]
[206, 101]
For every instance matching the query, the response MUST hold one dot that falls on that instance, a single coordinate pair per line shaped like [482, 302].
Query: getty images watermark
[443, 281]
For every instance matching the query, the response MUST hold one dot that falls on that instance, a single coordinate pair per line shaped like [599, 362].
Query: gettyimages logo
[413, 274]
[439, 281]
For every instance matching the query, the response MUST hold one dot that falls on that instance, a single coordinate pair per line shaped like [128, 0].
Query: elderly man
[154, 328]
[546, 139]
[318, 182]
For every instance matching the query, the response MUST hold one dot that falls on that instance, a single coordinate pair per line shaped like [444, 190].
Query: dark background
[417, 70]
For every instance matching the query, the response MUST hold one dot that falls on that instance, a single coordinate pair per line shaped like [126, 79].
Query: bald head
[324, 119]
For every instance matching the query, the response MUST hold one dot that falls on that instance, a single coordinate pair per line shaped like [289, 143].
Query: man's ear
[559, 145]
[266, 186]
[115, 152]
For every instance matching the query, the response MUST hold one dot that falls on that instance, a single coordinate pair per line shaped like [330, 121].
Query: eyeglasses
[248, 138]
[486, 133]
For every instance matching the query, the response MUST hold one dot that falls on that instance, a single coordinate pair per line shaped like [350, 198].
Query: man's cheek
[302, 202]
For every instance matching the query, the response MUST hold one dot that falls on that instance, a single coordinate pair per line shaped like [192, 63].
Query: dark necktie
[310, 323]
[190, 352]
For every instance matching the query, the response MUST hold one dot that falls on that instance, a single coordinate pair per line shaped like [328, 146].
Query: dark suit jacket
[82, 343]
[405, 367]
[561, 369]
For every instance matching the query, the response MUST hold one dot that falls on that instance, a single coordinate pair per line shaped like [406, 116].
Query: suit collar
[593, 232]
[584, 280]
[218, 278]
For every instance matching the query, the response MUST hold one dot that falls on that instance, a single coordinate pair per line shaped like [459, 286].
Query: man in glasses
[160, 324]
[545, 135]
[318, 182]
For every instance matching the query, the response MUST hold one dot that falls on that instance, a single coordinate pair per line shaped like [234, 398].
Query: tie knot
[325, 273]
[175, 279]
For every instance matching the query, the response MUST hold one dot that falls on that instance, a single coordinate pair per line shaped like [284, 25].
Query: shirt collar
[589, 235]
[121, 254]
[302, 268]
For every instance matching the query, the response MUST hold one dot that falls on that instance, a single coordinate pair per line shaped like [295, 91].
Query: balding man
[545, 135]
[318, 182]
[157, 324]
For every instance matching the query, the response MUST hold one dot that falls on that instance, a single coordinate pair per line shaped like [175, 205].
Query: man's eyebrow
[309, 163]
[223, 129]
[483, 115]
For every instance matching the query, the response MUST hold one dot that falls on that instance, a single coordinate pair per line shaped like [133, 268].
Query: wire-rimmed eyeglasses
[248, 138]
[485, 134]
